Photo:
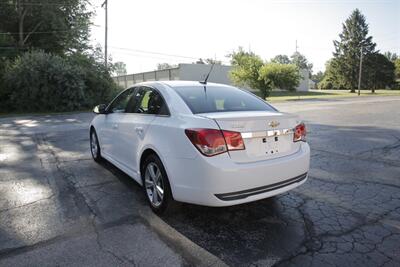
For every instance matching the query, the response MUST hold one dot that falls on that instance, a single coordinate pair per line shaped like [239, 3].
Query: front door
[111, 133]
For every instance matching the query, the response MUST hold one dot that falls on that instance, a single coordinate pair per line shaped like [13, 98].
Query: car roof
[190, 84]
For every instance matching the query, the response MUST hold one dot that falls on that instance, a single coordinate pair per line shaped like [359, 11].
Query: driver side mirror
[100, 109]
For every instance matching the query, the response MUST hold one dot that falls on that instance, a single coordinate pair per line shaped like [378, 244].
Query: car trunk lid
[266, 134]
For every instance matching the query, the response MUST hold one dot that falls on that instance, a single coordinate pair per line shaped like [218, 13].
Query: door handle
[115, 126]
[139, 130]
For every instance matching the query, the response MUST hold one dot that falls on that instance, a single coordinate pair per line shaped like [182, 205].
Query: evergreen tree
[347, 53]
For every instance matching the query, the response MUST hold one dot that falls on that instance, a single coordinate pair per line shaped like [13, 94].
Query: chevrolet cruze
[201, 143]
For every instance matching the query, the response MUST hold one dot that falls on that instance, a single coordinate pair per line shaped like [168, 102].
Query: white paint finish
[195, 178]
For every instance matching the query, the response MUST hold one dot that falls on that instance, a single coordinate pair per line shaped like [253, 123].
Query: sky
[144, 33]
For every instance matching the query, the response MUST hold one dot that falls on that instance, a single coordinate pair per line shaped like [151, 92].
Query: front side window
[211, 98]
[149, 101]
[120, 104]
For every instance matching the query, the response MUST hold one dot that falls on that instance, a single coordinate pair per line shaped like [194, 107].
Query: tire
[153, 173]
[95, 146]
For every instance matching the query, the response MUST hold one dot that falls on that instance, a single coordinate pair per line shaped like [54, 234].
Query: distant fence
[157, 75]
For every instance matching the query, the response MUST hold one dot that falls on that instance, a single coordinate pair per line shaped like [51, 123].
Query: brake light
[299, 133]
[211, 142]
[234, 140]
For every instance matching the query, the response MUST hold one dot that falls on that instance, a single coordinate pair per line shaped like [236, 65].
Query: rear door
[266, 134]
[145, 105]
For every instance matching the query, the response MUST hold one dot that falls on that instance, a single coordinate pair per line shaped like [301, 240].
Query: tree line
[46, 60]
[280, 72]
[354, 47]
[378, 70]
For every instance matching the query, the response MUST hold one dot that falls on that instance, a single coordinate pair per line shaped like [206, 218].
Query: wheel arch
[145, 153]
[91, 129]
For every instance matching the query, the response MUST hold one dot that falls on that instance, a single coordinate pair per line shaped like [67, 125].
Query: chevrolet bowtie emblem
[274, 124]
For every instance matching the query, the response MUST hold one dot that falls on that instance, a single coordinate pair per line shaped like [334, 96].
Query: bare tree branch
[33, 31]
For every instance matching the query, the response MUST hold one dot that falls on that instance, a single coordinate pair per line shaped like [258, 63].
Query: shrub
[100, 88]
[281, 76]
[38, 81]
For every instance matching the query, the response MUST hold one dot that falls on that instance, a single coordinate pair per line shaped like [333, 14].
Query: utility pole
[105, 5]
[359, 74]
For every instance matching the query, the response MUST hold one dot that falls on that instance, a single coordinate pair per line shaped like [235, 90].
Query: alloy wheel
[93, 145]
[154, 184]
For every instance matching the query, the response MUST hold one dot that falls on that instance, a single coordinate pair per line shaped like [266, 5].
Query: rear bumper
[217, 181]
[260, 190]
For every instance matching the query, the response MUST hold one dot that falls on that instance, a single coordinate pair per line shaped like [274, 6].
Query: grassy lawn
[323, 94]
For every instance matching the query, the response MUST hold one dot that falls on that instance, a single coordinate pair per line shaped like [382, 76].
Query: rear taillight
[299, 133]
[233, 140]
[211, 142]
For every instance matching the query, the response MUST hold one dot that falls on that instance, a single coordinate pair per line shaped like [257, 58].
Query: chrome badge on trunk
[274, 124]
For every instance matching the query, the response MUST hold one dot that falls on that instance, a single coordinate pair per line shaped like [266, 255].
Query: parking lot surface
[58, 207]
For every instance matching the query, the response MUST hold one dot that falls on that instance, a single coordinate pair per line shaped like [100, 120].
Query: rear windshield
[220, 99]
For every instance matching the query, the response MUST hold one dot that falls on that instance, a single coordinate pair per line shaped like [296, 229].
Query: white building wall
[194, 72]
[198, 72]
[304, 81]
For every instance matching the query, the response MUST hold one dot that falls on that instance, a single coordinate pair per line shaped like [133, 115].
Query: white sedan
[207, 144]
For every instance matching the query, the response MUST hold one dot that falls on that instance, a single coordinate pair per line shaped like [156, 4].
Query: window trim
[108, 111]
[165, 102]
[135, 88]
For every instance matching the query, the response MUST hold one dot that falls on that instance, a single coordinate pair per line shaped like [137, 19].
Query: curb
[197, 255]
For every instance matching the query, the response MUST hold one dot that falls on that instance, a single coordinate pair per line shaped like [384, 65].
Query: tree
[245, 72]
[301, 62]
[354, 36]
[282, 59]
[281, 76]
[397, 66]
[120, 68]
[317, 77]
[331, 79]
[396, 61]
[380, 72]
[59, 27]
[391, 56]
[165, 66]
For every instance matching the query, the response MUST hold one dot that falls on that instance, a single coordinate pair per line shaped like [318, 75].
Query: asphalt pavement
[58, 207]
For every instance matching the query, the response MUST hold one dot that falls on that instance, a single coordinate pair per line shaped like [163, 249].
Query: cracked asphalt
[58, 207]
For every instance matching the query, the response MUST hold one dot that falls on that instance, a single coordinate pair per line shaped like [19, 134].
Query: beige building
[192, 72]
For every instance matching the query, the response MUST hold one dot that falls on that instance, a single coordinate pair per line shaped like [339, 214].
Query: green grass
[323, 94]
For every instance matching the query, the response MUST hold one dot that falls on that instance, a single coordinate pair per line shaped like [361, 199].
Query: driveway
[58, 207]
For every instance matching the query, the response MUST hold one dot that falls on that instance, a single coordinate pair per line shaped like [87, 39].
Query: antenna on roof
[208, 75]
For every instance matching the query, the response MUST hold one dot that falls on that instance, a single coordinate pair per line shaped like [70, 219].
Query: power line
[155, 53]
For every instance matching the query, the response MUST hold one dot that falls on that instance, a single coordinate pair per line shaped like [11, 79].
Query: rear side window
[147, 101]
[220, 99]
